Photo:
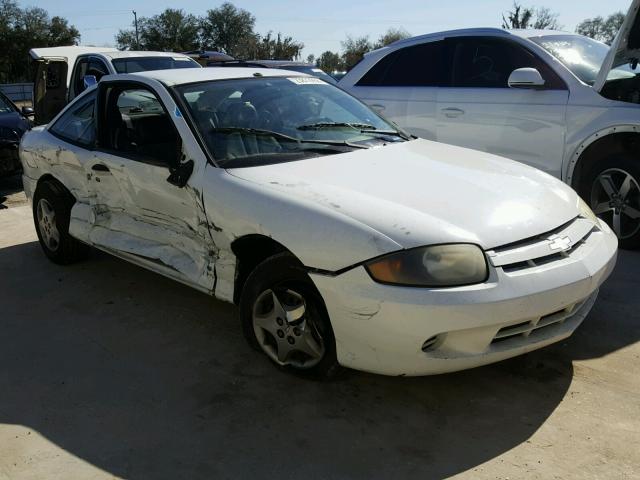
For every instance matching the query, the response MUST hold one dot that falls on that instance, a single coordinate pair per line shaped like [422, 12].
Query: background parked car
[62, 73]
[13, 124]
[308, 68]
[527, 95]
[203, 57]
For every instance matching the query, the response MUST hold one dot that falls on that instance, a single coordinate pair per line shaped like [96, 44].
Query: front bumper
[382, 329]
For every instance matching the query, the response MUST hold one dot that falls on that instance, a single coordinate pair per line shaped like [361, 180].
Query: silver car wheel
[285, 330]
[47, 225]
[615, 197]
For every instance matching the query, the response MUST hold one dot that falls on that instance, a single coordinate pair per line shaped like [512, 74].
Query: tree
[229, 29]
[274, 48]
[330, 62]
[23, 29]
[527, 17]
[311, 58]
[390, 36]
[172, 30]
[353, 49]
[600, 28]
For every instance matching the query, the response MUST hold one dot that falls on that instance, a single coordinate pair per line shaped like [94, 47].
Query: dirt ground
[110, 371]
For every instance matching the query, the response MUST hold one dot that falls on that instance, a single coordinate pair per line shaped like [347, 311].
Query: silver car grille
[543, 249]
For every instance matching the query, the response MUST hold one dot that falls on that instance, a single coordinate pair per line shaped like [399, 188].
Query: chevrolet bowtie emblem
[560, 243]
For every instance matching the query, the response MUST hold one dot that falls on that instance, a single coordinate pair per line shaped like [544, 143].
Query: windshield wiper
[323, 125]
[361, 127]
[283, 136]
[392, 133]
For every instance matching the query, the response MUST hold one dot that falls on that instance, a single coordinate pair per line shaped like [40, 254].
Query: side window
[97, 68]
[77, 124]
[78, 76]
[416, 66]
[138, 126]
[479, 62]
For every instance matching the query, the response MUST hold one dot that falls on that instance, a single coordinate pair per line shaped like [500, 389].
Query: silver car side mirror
[526, 78]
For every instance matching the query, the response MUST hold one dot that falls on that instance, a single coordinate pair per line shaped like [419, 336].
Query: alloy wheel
[47, 225]
[615, 197]
[285, 329]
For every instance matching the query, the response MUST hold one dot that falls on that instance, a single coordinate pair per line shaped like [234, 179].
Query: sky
[322, 25]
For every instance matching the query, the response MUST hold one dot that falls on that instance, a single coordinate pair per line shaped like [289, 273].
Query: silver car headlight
[586, 212]
[448, 265]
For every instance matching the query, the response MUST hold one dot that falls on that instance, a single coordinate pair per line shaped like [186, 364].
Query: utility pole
[135, 20]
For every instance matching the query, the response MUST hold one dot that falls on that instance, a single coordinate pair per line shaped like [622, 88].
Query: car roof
[70, 52]
[523, 33]
[137, 54]
[182, 76]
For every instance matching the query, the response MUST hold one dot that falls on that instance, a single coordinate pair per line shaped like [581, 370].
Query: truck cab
[63, 73]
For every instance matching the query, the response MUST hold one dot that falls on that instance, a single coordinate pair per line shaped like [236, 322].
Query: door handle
[377, 106]
[99, 167]
[452, 112]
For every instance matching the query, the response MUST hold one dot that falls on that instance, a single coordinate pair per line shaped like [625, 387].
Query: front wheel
[284, 317]
[612, 189]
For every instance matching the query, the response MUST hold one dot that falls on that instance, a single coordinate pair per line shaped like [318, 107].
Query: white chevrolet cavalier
[343, 240]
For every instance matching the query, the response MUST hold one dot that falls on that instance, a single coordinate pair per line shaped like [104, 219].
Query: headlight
[436, 266]
[586, 212]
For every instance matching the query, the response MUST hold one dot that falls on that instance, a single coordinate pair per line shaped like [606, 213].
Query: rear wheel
[612, 190]
[284, 317]
[51, 214]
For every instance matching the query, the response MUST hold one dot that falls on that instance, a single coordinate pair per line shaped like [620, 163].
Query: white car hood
[422, 192]
[625, 48]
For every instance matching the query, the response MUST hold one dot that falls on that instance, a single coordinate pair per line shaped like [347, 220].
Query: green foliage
[23, 29]
[539, 18]
[172, 30]
[390, 36]
[330, 62]
[225, 28]
[353, 49]
[229, 29]
[603, 29]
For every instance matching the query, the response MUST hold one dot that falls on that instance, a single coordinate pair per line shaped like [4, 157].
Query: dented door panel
[135, 210]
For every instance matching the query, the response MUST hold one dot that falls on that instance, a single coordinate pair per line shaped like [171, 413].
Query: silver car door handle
[378, 107]
[452, 112]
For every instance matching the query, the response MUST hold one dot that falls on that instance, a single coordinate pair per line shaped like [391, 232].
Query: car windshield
[582, 55]
[262, 120]
[143, 64]
[5, 106]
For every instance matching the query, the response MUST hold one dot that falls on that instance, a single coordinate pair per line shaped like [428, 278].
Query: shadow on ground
[145, 378]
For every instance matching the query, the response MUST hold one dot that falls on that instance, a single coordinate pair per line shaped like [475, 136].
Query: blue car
[13, 124]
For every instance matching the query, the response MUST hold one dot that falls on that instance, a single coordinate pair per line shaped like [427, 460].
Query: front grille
[551, 247]
[531, 327]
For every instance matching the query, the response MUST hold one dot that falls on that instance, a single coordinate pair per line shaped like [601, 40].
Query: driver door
[138, 214]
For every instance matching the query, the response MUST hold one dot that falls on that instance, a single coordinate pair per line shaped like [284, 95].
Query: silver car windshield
[262, 120]
[582, 55]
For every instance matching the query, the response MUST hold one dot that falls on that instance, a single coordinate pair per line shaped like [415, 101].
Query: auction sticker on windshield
[307, 81]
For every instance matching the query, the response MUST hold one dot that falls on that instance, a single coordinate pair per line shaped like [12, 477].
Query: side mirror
[526, 78]
[27, 111]
[89, 80]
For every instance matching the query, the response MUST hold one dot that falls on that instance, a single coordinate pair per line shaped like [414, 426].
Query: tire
[296, 333]
[54, 202]
[603, 188]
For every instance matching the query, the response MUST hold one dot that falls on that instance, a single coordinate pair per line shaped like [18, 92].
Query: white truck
[62, 73]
